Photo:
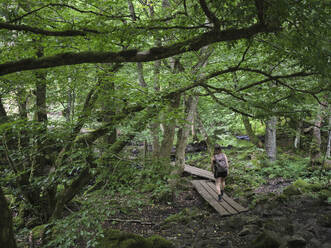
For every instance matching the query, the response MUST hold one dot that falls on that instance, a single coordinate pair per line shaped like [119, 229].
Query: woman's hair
[217, 149]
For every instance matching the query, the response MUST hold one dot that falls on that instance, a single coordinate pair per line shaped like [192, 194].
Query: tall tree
[7, 238]
[270, 138]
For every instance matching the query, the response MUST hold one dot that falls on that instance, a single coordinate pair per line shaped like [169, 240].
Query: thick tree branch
[70, 7]
[210, 15]
[35, 30]
[173, 27]
[260, 6]
[133, 55]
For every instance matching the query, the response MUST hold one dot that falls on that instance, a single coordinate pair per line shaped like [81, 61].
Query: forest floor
[287, 207]
[188, 221]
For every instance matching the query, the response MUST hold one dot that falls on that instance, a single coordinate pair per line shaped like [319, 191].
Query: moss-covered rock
[324, 194]
[38, 232]
[118, 239]
[291, 190]
[267, 239]
[296, 241]
[183, 217]
[159, 242]
[324, 220]
[300, 187]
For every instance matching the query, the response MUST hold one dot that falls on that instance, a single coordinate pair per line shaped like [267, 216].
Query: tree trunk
[69, 109]
[328, 147]
[3, 113]
[88, 106]
[70, 191]
[270, 138]
[210, 144]
[297, 138]
[170, 126]
[7, 238]
[169, 131]
[255, 140]
[109, 109]
[191, 107]
[194, 127]
[315, 146]
[155, 126]
[85, 176]
[22, 99]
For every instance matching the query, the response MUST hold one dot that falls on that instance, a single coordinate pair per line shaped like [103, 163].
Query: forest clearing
[165, 124]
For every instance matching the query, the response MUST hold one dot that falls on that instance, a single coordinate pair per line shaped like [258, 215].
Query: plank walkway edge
[199, 172]
[225, 207]
[206, 188]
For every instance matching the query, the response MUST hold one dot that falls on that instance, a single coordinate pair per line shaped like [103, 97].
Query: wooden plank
[199, 172]
[209, 198]
[230, 201]
[212, 189]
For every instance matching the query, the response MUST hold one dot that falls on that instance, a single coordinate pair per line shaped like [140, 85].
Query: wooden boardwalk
[199, 172]
[207, 190]
[225, 207]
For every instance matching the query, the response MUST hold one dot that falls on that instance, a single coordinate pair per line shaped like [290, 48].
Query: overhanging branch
[133, 55]
[210, 15]
[65, 33]
[70, 7]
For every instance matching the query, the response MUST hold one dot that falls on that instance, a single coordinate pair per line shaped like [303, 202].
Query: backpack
[220, 165]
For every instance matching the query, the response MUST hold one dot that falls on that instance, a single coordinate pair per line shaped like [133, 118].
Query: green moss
[147, 188]
[324, 220]
[291, 190]
[300, 186]
[184, 217]
[38, 232]
[10, 199]
[159, 242]
[325, 194]
[118, 239]
[266, 239]
[18, 221]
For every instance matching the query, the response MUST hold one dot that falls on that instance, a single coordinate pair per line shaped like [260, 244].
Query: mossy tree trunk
[169, 131]
[254, 139]
[85, 176]
[170, 124]
[210, 143]
[191, 106]
[108, 105]
[6, 225]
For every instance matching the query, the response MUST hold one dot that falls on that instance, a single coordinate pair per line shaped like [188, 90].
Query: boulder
[296, 241]
[315, 243]
[326, 245]
[117, 239]
[249, 229]
[267, 239]
[324, 220]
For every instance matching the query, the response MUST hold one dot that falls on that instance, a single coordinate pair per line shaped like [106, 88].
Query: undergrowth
[128, 186]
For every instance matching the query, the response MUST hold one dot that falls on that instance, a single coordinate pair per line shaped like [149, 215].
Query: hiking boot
[220, 197]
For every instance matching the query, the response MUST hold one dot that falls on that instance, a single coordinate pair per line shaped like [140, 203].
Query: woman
[219, 177]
